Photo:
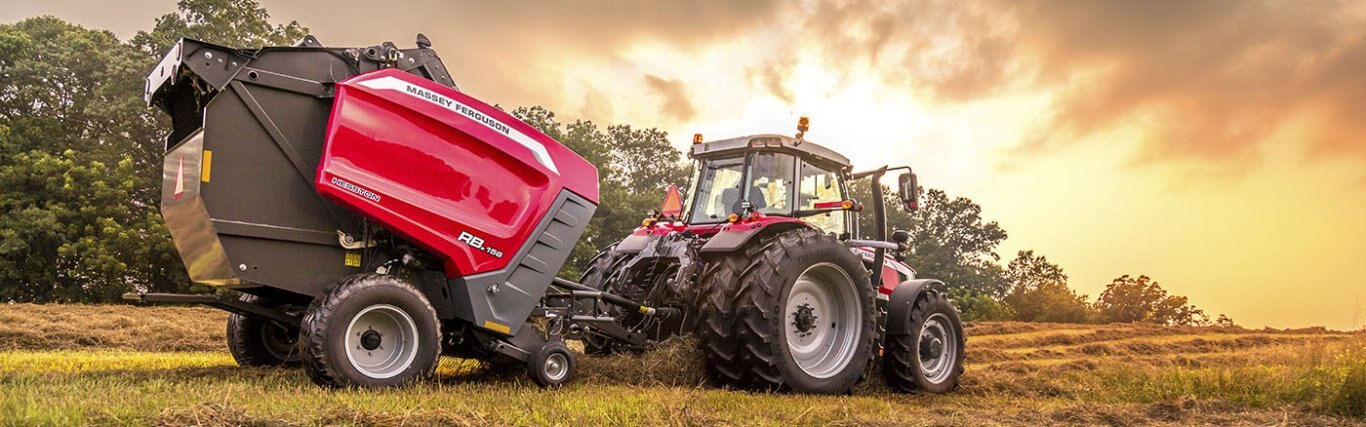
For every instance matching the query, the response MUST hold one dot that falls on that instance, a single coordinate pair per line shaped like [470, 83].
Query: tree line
[80, 171]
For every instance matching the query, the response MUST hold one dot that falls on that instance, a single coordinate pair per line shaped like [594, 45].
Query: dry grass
[55, 327]
[64, 365]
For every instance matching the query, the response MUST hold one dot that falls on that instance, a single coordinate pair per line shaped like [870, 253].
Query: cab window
[717, 187]
[817, 185]
[770, 183]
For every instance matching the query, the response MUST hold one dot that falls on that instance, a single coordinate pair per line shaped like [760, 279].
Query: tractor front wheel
[370, 330]
[930, 357]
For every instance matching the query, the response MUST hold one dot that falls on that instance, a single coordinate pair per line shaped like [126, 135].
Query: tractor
[762, 260]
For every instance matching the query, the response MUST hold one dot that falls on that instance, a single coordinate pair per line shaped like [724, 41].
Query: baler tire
[325, 326]
[762, 328]
[256, 342]
[901, 360]
[552, 365]
[717, 317]
[600, 268]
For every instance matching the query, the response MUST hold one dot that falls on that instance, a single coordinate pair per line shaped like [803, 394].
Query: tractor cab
[768, 175]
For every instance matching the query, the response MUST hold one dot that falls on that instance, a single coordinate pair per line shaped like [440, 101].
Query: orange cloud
[676, 101]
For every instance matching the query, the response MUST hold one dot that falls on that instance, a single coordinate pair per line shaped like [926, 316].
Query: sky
[1216, 146]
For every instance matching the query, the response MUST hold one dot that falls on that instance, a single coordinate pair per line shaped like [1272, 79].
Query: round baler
[372, 216]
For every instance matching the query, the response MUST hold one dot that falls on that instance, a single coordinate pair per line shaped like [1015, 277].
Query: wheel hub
[370, 340]
[804, 319]
[932, 348]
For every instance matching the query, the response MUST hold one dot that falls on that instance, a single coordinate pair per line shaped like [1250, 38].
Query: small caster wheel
[552, 365]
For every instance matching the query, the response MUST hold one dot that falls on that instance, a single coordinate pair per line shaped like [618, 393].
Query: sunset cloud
[677, 104]
[1201, 81]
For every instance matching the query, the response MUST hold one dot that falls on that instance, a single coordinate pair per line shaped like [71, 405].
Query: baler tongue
[248, 129]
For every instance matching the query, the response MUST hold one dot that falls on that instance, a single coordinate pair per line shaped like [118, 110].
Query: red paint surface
[438, 173]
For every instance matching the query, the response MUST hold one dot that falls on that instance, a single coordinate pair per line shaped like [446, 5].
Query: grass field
[66, 365]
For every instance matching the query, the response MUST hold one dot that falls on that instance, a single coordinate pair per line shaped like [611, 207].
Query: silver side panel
[188, 220]
[500, 301]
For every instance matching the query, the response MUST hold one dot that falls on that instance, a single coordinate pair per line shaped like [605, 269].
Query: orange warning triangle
[673, 202]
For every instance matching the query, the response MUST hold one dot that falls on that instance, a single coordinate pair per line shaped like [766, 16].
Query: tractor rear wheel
[930, 357]
[716, 314]
[259, 342]
[602, 268]
[370, 330]
[802, 317]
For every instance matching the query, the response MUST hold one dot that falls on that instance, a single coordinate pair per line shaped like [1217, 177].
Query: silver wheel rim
[556, 366]
[937, 348]
[822, 320]
[381, 341]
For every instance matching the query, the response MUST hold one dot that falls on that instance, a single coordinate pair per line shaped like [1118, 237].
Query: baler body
[284, 161]
[501, 203]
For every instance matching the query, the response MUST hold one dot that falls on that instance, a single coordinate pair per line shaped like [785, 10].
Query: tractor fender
[902, 300]
[634, 243]
[732, 240]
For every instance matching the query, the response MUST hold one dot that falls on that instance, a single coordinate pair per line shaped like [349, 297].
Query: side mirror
[908, 190]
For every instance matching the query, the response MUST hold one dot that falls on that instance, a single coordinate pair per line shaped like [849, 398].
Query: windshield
[717, 190]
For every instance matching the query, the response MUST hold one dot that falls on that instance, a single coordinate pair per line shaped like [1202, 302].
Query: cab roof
[768, 141]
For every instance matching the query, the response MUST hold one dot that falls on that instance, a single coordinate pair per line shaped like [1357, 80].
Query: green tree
[70, 234]
[1141, 299]
[233, 23]
[949, 241]
[977, 307]
[80, 154]
[1039, 292]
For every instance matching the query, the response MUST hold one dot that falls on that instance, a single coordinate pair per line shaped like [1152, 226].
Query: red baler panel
[430, 163]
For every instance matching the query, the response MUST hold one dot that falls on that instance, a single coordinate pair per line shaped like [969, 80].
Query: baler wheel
[806, 316]
[259, 342]
[930, 358]
[552, 365]
[370, 330]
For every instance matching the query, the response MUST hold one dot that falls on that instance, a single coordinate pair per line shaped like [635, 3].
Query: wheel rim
[822, 320]
[279, 341]
[556, 366]
[938, 348]
[381, 341]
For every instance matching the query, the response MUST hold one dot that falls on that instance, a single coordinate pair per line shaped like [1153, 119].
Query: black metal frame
[221, 302]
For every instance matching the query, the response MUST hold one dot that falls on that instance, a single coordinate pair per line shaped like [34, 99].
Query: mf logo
[478, 243]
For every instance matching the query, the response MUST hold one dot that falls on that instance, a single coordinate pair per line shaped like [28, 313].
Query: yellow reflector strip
[205, 166]
[495, 326]
[352, 259]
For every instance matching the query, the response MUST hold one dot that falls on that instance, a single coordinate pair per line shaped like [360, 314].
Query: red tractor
[763, 262]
